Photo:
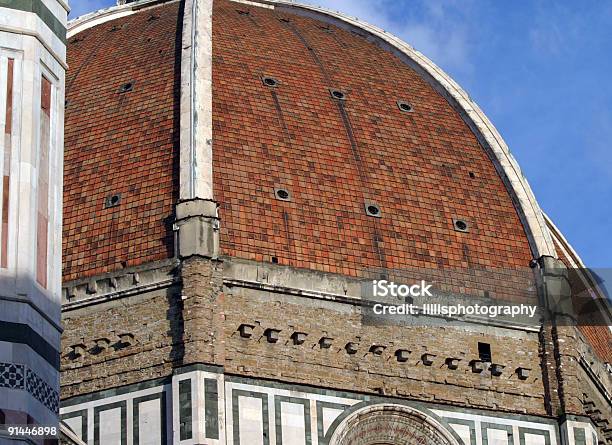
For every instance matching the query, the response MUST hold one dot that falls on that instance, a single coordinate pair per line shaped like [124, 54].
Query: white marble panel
[329, 415]
[497, 437]
[76, 425]
[251, 420]
[293, 427]
[463, 431]
[110, 426]
[149, 423]
[534, 439]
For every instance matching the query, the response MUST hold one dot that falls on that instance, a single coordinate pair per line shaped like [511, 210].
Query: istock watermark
[456, 310]
[423, 289]
[422, 302]
[523, 297]
[384, 288]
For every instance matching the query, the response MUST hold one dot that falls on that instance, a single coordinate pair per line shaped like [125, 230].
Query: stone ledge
[196, 207]
[119, 284]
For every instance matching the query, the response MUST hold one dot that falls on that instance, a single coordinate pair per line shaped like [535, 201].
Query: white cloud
[439, 30]
[547, 38]
[450, 49]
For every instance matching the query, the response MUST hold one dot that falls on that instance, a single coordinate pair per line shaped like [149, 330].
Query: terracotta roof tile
[124, 143]
[334, 157]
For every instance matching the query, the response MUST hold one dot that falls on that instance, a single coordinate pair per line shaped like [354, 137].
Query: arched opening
[388, 424]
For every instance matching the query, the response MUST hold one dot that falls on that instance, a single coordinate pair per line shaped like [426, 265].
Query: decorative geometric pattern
[12, 376]
[16, 376]
[42, 391]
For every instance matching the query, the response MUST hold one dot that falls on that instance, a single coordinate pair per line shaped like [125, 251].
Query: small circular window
[460, 225]
[404, 106]
[282, 194]
[337, 94]
[128, 86]
[112, 200]
[373, 209]
[270, 81]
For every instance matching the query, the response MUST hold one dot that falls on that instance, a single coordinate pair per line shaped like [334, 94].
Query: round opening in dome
[461, 225]
[337, 94]
[404, 106]
[128, 86]
[112, 200]
[373, 210]
[270, 82]
[282, 194]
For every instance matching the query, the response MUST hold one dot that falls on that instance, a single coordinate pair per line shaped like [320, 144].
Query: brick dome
[381, 166]
[423, 168]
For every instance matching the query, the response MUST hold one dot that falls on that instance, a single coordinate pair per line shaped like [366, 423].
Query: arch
[390, 424]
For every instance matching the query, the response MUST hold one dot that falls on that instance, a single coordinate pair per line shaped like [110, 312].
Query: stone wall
[586, 384]
[201, 324]
[166, 330]
[299, 338]
[203, 310]
[374, 366]
[96, 354]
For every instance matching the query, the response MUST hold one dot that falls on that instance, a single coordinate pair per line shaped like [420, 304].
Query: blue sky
[541, 71]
